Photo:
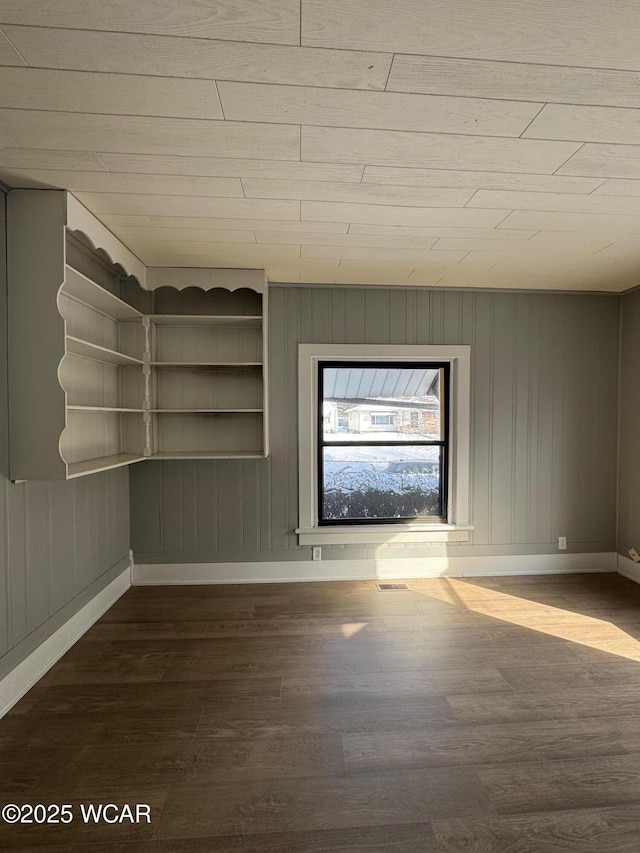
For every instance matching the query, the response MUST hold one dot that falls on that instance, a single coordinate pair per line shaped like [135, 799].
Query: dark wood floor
[497, 715]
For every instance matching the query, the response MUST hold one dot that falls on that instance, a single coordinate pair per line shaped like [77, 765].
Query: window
[382, 464]
[383, 443]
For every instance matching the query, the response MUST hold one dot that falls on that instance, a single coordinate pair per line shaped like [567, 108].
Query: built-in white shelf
[229, 454]
[238, 364]
[104, 463]
[85, 290]
[210, 320]
[112, 364]
[76, 346]
[99, 409]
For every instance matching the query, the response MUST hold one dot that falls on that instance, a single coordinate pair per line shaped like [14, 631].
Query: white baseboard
[628, 568]
[21, 679]
[411, 567]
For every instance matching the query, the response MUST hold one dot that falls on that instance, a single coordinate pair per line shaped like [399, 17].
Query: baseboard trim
[22, 678]
[628, 568]
[411, 567]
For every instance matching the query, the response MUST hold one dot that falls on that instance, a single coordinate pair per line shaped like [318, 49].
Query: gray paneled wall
[629, 462]
[544, 427]
[60, 542]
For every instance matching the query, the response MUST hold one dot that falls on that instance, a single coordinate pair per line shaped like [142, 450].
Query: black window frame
[443, 443]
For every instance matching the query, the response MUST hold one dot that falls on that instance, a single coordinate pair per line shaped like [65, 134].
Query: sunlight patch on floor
[593, 632]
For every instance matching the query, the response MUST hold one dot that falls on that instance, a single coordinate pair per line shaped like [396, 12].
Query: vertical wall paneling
[376, 316]
[523, 518]
[5, 615]
[38, 557]
[541, 447]
[602, 329]
[206, 501]
[147, 516]
[502, 431]
[287, 416]
[190, 506]
[279, 383]
[397, 313]
[60, 542]
[173, 505]
[4, 574]
[481, 414]
[543, 459]
[61, 566]
[17, 561]
[629, 463]
[230, 508]
[250, 503]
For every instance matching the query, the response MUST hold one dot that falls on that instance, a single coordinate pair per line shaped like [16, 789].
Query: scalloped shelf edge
[82, 220]
[206, 278]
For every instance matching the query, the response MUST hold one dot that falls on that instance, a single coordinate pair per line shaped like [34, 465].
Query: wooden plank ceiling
[420, 142]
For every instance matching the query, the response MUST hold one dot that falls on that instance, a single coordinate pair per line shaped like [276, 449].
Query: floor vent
[389, 587]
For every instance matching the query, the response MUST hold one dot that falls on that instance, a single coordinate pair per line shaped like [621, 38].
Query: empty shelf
[76, 346]
[251, 321]
[104, 463]
[80, 287]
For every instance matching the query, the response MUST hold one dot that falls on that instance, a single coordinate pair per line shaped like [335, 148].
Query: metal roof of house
[370, 382]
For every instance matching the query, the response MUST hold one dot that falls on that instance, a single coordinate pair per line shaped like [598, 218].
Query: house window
[383, 443]
[383, 466]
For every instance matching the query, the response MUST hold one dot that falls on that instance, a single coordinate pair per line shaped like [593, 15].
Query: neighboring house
[329, 416]
[368, 417]
[421, 417]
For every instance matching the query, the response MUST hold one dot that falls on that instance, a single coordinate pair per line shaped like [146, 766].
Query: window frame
[442, 442]
[457, 526]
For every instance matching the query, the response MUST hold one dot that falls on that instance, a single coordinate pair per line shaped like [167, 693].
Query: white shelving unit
[206, 395]
[97, 383]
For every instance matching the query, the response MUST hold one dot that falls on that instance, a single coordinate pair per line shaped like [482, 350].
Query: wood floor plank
[425, 658]
[256, 627]
[573, 675]
[198, 762]
[22, 767]
[342, 717]
[555, 785]
[186, 667]
[117, 667]
[21, 849]
[610, 701]
[351, 610]
[76, 730]
[400, 684]
[570, 831]
[329, 803]
[101, 698]
[165, 610]
[407, 838]
[174, 631]
[456, 745]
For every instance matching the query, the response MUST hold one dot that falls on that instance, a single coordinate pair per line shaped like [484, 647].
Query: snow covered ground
[381, 469]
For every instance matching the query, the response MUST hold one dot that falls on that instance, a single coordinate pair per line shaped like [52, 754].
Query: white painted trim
[356, 534]
[206, 278]
[81, 219]
[628, 568]
[411, 567]
[21, 679]
[309, 355]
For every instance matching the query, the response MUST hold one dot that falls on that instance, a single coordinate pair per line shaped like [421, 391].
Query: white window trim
[457, 526]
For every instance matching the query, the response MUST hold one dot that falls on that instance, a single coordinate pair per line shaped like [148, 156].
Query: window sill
[378, 534]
